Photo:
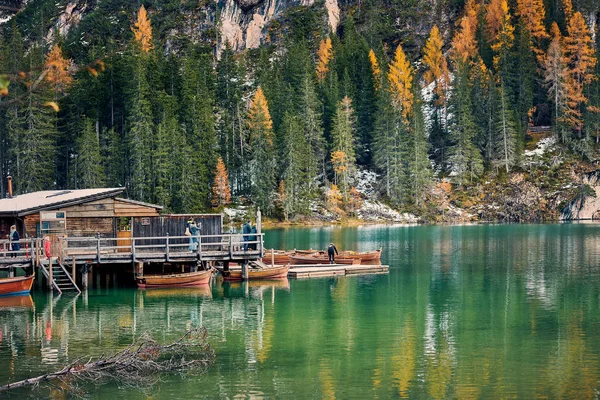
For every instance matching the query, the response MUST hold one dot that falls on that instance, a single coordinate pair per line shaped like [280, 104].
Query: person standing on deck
[14, 237]
[193, 234]
[253, 237]
[332, 252]
[245, 231]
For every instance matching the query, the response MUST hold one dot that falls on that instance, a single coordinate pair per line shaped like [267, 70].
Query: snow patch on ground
[377, 211]
[543, 146]
[366, 182]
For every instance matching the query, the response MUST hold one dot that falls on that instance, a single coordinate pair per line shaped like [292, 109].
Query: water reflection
[465, 312]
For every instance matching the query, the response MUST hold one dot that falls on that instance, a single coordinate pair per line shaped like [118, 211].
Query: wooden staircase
[61, 279]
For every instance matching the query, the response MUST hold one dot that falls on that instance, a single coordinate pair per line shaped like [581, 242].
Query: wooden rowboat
[16, 285]
[185, 279]
[278, 257]
[366, 257]
[321, 259]
[276, 272]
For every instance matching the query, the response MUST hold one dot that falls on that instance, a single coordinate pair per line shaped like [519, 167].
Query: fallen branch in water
[139, 365]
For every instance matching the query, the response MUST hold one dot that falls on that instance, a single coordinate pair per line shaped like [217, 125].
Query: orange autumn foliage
[57, 69]
[375, 69]
[259, 116]
[581, 60]
[505, 35]
[142, 30]
[494, 17]
[400, 76]
[464, 44]
[221, 191]
[324, 54]
[436, 64]
[533, 14]
[339, 160]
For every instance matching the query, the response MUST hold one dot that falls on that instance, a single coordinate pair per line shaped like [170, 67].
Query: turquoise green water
[465, 312]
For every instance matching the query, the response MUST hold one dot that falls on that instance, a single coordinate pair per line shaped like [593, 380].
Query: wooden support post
[74, 269]
[199, 247]
[85, 271]
[60, 250]
[139, 269]
[245, 270]
[230, 247]
[225, 266]
[272, 257]
[11, 272]
[50, 279]
[167, 247]
[133, 249]
[98, 248]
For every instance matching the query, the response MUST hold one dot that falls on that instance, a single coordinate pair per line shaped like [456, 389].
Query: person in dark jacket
[331, 252]
[246, 230]
[253, 238]
[15, 245]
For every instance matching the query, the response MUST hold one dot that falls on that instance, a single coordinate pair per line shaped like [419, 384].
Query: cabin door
[54, 225]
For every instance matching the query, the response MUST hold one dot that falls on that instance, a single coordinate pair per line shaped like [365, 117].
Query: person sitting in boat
[15, 245]
[332, 252]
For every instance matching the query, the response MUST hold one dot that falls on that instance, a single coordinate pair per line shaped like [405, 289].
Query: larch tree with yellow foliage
[262, 151]
[436, 67]
[220, 189]
[140, 124]
[465, 160]
[400, 76]
[375, 69]
[324, 56]
[581, 60]
[142, 30]
[533, 14]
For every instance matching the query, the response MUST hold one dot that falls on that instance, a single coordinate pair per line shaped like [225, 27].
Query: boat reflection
[188, 292]
[16, 302]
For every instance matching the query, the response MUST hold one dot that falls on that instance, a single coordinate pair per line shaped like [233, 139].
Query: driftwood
[139, 365]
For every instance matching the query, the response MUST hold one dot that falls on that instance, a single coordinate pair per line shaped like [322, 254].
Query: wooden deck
[321, 270]
[165, 249]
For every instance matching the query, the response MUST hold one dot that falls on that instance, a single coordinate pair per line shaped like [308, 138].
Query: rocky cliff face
[242, 22]
[586, 204]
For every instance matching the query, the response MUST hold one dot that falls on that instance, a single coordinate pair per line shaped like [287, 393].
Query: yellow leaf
[52, 105]
[93, 71]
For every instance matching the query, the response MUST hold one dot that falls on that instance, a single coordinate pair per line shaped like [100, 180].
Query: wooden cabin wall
[174, 225]
[88, 227]
[126, 209]
[31, 224]
[7, 222]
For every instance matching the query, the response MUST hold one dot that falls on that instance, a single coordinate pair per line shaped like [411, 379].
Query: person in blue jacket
[246, 230]
[15, 245]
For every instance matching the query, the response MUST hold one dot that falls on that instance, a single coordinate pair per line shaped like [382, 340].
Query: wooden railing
[27, 248]
[226, 246]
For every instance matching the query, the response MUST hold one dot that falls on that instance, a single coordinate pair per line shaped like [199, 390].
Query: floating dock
[320, 270]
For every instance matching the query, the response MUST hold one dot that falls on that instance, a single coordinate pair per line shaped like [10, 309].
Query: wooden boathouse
[89, 227]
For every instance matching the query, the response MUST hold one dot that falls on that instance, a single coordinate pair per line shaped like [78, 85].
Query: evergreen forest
[147, 96]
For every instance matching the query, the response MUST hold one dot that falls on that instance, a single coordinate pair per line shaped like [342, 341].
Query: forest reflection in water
[466, 311]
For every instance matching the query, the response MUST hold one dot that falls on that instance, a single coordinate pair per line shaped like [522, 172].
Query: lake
[481, 311]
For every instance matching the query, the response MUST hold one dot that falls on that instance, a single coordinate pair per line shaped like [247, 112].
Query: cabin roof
[30, 203]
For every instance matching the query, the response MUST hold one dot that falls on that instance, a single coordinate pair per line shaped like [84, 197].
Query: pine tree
[232, 140]
[198, 117]
[503, 42]
[311, 119]
[88, 161]
[556, 77]
[221, 191]
[299, 166]
[262, 164]
[343, 156]
[504, 145]
[419, 165]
